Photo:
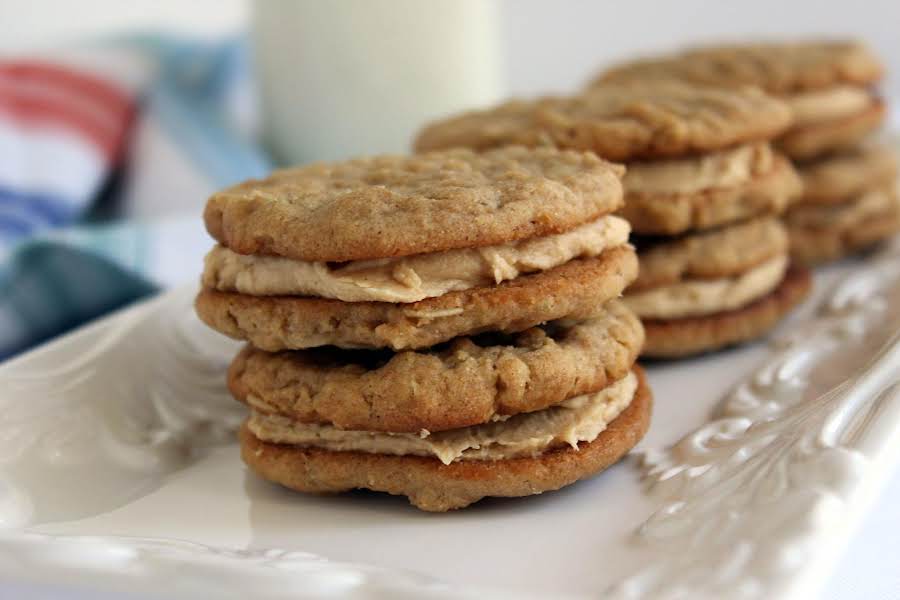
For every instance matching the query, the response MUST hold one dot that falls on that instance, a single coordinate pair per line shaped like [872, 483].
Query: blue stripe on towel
[40, 208]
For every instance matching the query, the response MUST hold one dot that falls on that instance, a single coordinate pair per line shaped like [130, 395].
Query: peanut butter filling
[830, 104]
[723, 169]
[409, 278]
[578, 419]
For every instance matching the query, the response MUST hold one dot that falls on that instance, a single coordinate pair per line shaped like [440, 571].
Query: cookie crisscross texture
[620, 122]
[390, 206]
[778, 68]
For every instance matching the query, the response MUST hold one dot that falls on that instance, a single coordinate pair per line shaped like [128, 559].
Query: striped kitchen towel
[125, 129]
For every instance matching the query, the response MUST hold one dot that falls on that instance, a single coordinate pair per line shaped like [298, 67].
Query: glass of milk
[346, 78]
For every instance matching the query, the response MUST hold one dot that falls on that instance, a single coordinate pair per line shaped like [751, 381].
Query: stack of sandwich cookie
[443, 326]
[850, 199]
[704, 190]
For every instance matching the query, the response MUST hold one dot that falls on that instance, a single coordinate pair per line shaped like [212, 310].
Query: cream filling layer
[578, 419]
[726, 168]
[409, 278]
[705, 297]
[820, 106]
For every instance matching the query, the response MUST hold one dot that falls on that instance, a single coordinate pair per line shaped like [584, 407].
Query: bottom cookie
[696, 335]
[433, 486]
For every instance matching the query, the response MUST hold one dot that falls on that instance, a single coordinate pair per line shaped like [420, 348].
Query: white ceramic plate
[119, 472]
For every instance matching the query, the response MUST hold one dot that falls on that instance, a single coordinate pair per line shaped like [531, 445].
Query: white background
[554, 46]
[550, 45]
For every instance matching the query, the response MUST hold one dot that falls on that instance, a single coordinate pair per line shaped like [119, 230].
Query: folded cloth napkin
[124, 129]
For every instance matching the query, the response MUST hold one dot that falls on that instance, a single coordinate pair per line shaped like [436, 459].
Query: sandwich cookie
[827, 85]
[408, 252]
[576, 289]
[527, 454]
[709, 290]
[847, 174]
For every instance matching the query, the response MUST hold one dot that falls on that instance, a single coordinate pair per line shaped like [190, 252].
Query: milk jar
[343, 78]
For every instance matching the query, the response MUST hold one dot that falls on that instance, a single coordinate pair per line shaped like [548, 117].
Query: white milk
[344, 78]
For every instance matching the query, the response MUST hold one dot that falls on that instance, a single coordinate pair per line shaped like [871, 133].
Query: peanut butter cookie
[766, 186]
[840, 177]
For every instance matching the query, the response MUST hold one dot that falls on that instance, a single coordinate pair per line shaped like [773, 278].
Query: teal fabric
[51, 288]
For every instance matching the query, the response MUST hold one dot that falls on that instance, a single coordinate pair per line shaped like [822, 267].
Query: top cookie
[620, 122]
[390, 206]
[778, 68]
